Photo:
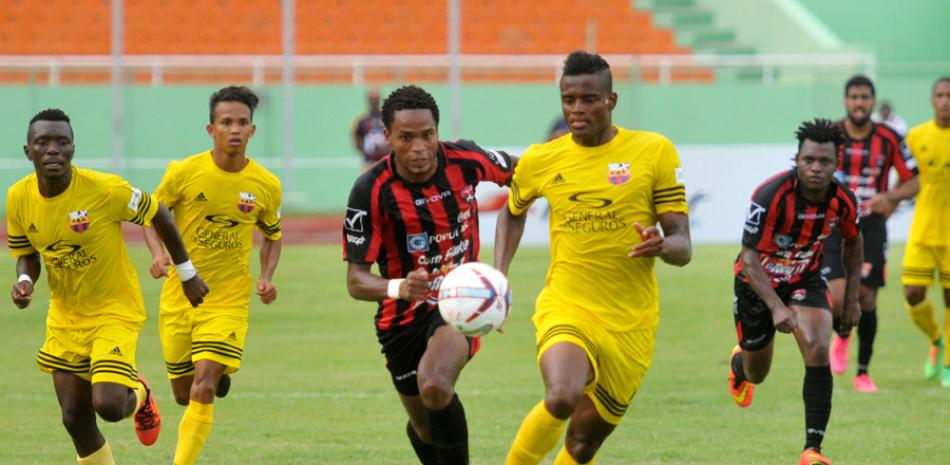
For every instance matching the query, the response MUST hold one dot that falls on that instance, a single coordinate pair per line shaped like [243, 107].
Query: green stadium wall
[163, 123]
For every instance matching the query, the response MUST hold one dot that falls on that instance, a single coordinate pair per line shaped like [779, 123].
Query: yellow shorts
[921, 260]
[100, 354]
[198, 334]
[619, 359]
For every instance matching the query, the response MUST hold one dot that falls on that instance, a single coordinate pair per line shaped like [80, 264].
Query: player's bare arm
[508, 231]
[362, 284]
[673, 246]
[270, 255]
[193, 286]
[853, 257]
[160, 259]
[783, 319]
[885, 203]
[28, 265]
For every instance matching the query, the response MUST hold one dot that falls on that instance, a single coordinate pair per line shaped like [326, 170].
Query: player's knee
[200, 391]
[110, 411]
[583, 448]
[436, 392]
[915, 294]
[562, 400]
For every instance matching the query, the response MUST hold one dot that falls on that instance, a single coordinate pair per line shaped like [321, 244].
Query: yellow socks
[925, 319]
[946, 330]
[538, 434]
[193, 432]
[103, 456]
[564, 458]
[139, 398]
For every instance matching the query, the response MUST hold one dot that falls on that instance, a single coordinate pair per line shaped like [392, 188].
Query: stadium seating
[336, 27]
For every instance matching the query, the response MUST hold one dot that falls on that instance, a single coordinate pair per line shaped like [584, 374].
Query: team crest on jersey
[246, 202]
[799, 294]
[618, 173]
[79, 221]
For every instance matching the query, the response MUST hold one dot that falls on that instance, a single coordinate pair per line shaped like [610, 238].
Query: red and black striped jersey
[789, 231]
[865, 165]
[402, 225]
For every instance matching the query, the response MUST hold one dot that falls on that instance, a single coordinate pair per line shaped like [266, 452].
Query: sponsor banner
[719, 184]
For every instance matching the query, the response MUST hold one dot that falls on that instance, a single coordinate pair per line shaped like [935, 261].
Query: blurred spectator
[887, 116]
[368, 133]
[558, 129]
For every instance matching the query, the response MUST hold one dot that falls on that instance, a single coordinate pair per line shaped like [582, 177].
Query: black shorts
[754, 319]
[405, 347]
[873, 270]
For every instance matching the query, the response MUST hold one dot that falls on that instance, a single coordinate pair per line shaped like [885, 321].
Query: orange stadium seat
[338, 27]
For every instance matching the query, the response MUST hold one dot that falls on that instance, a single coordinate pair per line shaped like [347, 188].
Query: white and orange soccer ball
[474, 298]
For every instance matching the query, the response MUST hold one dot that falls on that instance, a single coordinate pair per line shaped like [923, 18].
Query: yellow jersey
[79, 235]
[930, 145]
[596, 194]
[216, 212]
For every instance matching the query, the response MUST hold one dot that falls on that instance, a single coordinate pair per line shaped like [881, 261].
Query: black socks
[450, 433]
[867, 329]
[816, 392]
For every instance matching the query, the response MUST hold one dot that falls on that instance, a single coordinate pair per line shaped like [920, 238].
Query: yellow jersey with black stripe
[930, 145]
[596, 194]
[79, 235]
[216, 212]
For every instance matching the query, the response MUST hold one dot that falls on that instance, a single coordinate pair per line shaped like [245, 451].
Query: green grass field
[314, 390]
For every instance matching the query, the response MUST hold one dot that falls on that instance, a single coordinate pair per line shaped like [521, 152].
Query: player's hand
[266, 290]
[22, 294]
[652, 242]
[160, 266]
[195, 290]
[851, 316]
[880, 204]
[415, 286]
[784, 319]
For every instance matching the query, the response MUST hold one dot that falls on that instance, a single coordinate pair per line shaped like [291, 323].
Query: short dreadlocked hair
[820, 130]
[239, 94]
[49, 114]
[579, 63]
[408, 98]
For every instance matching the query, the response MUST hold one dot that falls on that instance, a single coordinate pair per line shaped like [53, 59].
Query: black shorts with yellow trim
[202, 334]
[619, 360]
[98, 354]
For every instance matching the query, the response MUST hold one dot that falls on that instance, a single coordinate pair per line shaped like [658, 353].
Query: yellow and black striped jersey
[79, 235]
[596, 194]
[216, 212]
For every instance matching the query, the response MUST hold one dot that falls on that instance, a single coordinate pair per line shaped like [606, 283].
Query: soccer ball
[474, 298]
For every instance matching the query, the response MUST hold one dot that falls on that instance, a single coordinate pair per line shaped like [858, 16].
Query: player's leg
[945, 280]
[217, 348]
[565, 355]
[118, 391]
[872, 278]
[446, 353]
[403, 350]
[751, 359]
[566, 370]
[919, 264]
[814, 331]
[586, 432]
[624, 358]
[833, 271]
[79, 417]
[867, 331]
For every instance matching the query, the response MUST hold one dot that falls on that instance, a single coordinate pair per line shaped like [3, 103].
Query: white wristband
[392, 291]
[186, 270]
[24, 277]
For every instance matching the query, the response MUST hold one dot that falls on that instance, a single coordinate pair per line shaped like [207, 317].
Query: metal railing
[356, 68]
